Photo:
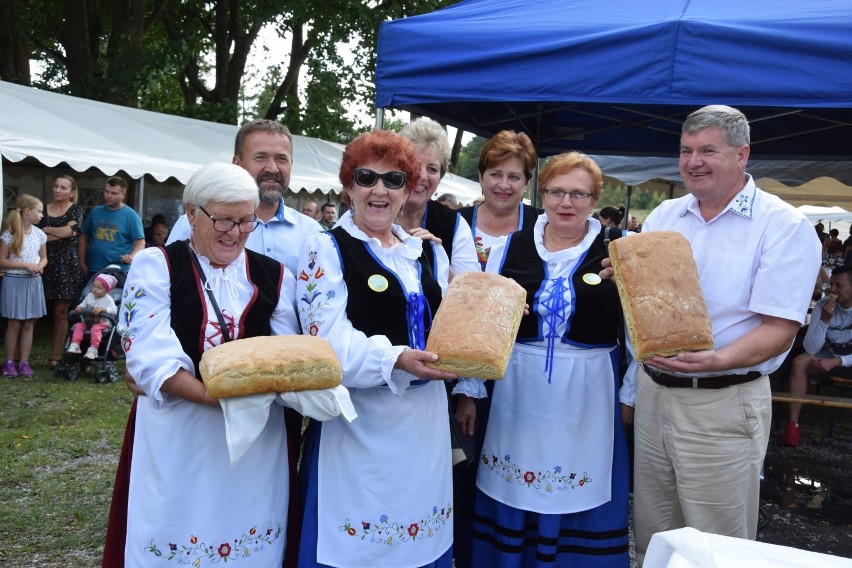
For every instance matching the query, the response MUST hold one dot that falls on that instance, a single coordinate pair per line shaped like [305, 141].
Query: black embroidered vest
[442, 222]
[596, 308]
[189, 306]
[381, 312]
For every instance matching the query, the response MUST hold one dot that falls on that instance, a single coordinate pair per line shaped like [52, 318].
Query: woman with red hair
[377, 491]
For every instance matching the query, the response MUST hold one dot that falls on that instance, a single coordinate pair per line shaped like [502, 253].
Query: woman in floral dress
[62, 276]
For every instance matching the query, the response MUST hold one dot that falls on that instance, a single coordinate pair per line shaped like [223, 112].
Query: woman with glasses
[552, 482]
[377, 491]
[185, 501]
[506, 164]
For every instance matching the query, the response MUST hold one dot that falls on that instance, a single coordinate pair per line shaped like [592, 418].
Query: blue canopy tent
[617, 78]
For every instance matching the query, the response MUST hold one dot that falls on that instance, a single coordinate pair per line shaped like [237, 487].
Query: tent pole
[380, 119]
[627, 207]
[2, 190]
[140, 195]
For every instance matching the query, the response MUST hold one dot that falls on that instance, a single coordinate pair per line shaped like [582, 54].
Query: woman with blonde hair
[63, 278]
[23, 256]
[420, 214]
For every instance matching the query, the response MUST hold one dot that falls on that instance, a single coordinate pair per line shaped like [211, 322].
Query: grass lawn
[60, 442]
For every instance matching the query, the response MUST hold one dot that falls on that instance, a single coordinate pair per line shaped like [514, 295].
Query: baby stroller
[109, 351]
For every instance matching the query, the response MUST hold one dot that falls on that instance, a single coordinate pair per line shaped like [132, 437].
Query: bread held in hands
[257, 365]
[474, 330]
[660, 293]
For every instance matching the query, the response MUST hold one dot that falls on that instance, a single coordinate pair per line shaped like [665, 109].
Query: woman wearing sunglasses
[377, 491]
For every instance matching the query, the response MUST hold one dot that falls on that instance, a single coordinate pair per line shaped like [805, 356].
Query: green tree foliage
[468, 164]
[191, 57]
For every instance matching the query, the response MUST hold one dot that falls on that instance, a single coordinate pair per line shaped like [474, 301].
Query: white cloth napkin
[691, 548]
[246, 416]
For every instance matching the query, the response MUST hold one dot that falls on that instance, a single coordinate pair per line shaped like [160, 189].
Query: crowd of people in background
[367, 283]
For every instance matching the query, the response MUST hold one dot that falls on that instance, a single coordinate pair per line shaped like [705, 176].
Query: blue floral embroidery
[743, 205]
[387, 533]
[548, 481]
[195, 550]
[126, 331]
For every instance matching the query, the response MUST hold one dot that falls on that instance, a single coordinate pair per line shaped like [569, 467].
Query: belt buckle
[695, 382]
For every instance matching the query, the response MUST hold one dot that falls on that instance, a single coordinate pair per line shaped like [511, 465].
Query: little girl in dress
[23, 256]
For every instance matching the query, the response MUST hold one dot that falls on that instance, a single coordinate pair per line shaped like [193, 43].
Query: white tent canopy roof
[54, 128]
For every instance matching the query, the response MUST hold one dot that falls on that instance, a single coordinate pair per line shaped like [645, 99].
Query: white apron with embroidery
[548, 446]
[196, 521]
[377, 480]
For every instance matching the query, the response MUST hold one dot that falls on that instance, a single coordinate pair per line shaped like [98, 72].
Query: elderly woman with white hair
[185, 501]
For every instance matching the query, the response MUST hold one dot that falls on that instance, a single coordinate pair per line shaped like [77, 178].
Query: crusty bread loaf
[661, 295]
[474, 330]
[256, 365]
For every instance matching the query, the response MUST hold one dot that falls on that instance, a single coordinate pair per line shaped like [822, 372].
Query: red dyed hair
[380, 146]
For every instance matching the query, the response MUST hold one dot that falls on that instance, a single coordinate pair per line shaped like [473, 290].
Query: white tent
[55, 128]
[830, 214]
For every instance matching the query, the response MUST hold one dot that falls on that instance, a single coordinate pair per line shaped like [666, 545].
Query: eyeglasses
[559, 195]
[225, 225]
[368, 178]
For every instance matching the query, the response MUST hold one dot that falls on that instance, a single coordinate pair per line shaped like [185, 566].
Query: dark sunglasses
[368, 178]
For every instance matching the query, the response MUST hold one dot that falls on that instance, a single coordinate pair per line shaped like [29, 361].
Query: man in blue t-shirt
[112, 233]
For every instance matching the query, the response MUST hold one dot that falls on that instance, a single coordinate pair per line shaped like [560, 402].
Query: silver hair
[427, 132]
[733, 124]
[220, 182]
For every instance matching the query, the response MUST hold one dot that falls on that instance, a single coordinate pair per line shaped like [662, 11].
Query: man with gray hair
[264, 148]
[703, 418]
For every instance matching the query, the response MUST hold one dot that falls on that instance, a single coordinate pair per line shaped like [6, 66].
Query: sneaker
[91, 353]
[73, 348]
[24, 369]
[9, 369]
[791, 435]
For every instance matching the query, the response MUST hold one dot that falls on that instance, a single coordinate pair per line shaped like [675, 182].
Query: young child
[23, 255]
[99, 302]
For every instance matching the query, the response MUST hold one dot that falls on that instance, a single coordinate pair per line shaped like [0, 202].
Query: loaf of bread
[474, 330]
[661, 295]
[257, 365]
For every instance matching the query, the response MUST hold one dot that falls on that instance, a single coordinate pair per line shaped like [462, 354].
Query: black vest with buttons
[596, 314]
[385, 312]
[189, 299]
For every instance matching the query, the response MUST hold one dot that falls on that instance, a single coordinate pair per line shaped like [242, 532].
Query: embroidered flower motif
[385, 532]
[743, 205]
[548, 481]
[312, 299]
[481, 251]
[241, 548]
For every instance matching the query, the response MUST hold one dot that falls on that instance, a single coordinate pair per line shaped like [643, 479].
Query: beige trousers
[697, 458]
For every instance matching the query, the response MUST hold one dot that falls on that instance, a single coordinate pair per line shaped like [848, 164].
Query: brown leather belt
[715, 382]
